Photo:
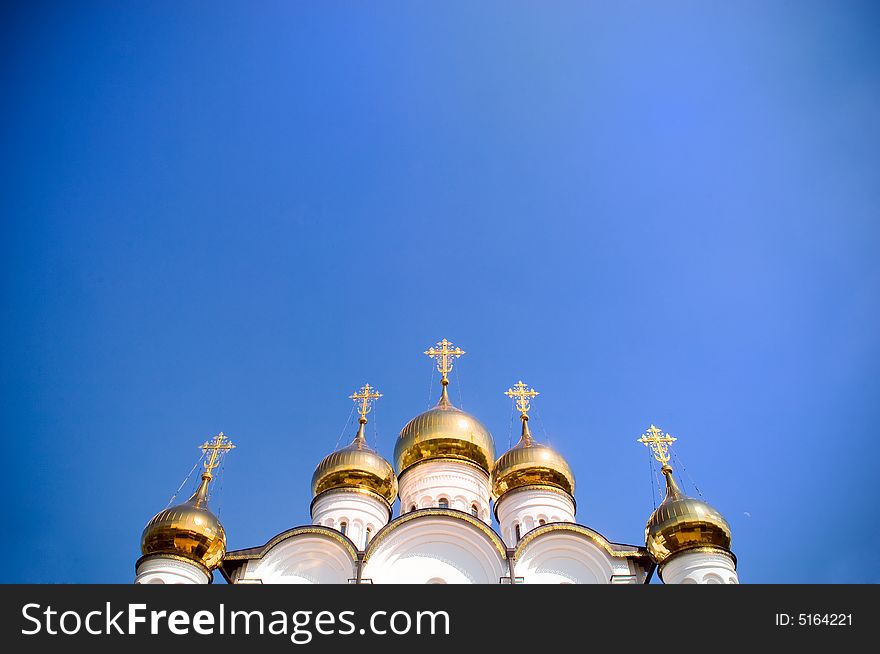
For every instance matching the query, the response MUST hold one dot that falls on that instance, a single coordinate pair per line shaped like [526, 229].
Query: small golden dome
[444, 432]
[356, 466]
[682, 523]
[189, 530]
[530, 464]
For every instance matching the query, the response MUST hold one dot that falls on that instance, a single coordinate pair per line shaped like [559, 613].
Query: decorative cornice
[319, 530]
[175, 557]
[697, 548]
[445, 459]
[359, 491]
[481, 526]
[540, 487]
[596, 537]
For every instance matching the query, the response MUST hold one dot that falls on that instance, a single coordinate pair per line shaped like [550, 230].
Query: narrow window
[475, 511]
[542, 521]
[369, 535]
[443, 503]
[343, 527]
[517, 534]
[412, 508]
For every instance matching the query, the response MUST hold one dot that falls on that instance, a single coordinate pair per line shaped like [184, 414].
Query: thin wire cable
[543, 428]
[680, 463]
[510, 428]
[430, 389]
[185, 480]
[653, 485]
[458, 385]
[218, 504]
[344, 429]
[375, 430]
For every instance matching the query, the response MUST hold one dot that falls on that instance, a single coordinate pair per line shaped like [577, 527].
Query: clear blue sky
[229, 216]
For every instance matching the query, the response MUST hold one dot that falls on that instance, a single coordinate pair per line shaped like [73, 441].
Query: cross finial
[218, 446]
[659, 444]
[444, 354]
[364, 399]
[522, 394]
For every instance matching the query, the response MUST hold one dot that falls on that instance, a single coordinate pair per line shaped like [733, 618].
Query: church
[450, 486]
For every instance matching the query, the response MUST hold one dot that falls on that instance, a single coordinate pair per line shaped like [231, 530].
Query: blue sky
[231, 217]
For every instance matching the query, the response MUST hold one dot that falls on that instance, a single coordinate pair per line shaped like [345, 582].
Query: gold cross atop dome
[218, 447]
[444, 354]
[522, 394]
[659, 444]
[364, 399]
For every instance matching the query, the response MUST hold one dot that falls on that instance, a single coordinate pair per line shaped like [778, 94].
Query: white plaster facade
[359, 515]
[463, 486]
[699, 566]
[170, 570]
[524, 509]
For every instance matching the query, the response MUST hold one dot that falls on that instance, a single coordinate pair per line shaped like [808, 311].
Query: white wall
[699, 567]
[527, 507]
[461, 484]
[359, 512]
[163, 570]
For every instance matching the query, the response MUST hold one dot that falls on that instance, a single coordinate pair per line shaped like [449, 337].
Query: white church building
[450, 486]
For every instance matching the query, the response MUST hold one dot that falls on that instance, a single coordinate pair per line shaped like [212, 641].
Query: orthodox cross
[444, 354]
[522, 394]
[659, 443]
[364, 398]
[218, 447]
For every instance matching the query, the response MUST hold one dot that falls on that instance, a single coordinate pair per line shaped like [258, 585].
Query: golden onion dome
[356, 466]
[682, 523]
[529, 463]
[444, 432]
[188, 530]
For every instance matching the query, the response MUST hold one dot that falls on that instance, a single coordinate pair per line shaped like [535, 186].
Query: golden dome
[444, 432]
[682, 523]
[358, 467]
[530, 464]
[189, 530]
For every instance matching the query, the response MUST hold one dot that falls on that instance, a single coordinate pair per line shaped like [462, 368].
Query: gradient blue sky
[228, 216]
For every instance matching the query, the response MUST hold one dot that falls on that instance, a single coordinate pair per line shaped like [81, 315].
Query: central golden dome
[529, 463]
[682, 523]
[358, 467]
[189, 530]
[444, 432]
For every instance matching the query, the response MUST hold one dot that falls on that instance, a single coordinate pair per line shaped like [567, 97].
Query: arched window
[369, 535]
[518, 536]
[343, 527]
[542, 522]
[412, 508]
[475, 511]
[443, 503]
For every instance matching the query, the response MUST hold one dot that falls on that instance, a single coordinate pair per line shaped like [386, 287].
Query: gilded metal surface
[444, 432]
[622, 551]
[528, 463]
[481, 526]
[521, 393]
[658, 442]
[531, 465]
[189, 530]
[364, 399]
[444, 354]
[356, 466]
[682, 523]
